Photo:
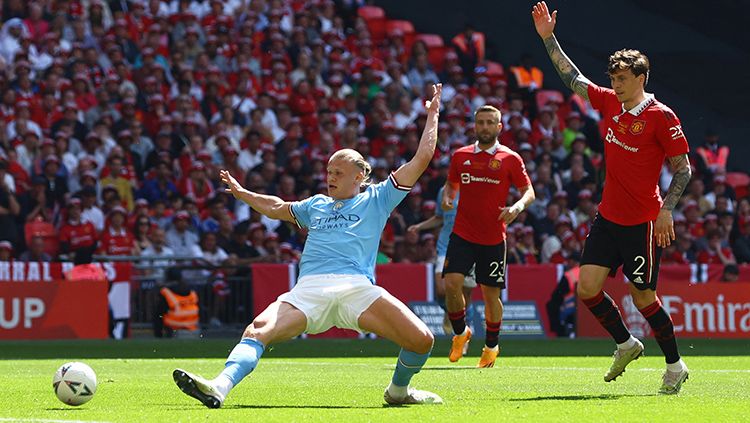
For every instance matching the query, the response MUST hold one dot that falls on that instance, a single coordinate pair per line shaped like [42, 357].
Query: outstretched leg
[279, 322]
[389, 318]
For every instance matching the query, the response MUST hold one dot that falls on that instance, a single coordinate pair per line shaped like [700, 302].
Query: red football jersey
[484, 179]
[117, 243]
[636, 144]
[78, 235]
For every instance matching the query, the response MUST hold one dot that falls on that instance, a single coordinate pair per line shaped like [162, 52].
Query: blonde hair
[354, 157]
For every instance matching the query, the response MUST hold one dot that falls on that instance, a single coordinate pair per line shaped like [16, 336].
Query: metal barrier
[224, 292]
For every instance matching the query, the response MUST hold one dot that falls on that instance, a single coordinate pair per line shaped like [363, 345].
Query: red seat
[374, 16]
[494, 71]
[740, 182]
[48, 234]
[436, 50]
[405, 27]
[545, 96]
[371, 12]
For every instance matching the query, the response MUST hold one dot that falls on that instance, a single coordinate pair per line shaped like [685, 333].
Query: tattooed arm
[571, 76]
[682, 173]
[664, 227]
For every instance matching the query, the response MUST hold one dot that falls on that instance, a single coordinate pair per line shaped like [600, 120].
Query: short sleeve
[389, 193]
[453, 176]
[670, 135]
[596, 96]
[300, 210]
[518, 174]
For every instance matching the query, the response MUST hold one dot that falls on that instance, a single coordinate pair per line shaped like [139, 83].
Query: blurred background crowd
[115, 117]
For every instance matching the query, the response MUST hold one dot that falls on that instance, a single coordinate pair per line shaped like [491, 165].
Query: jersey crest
[494, 164]
[637, 126]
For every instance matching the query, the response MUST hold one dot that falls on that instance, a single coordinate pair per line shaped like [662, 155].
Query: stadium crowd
[116, 116]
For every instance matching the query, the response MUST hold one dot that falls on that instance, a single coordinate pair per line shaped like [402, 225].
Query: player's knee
[422, 344]
[255, 329]
[587, 289]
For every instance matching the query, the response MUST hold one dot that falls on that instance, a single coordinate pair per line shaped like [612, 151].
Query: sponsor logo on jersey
[613, 139]
[467, 178]
[637, 126]
[676, 132]
[495, 164]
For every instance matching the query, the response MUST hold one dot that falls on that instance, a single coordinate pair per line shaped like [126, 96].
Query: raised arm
[409, 173]
[269, 205]
[545, 25]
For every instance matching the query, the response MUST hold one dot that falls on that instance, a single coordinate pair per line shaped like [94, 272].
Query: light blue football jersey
[449, 218]
[344, 234]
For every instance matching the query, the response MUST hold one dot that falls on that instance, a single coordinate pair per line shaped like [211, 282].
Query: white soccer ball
[74, 383]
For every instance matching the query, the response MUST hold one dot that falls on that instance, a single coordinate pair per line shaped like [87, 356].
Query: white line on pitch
[13, 419]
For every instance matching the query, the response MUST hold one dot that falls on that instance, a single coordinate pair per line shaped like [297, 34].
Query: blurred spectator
[35, 251]
[116, 239]
[182, 241]
[6, 251]
[731, 273]
[9, 212]
[178, 307]
[77, 238]
[715, 253]
[470, 48]
[157, 248]
[116, 178]
[741, 243]
[713, 157]
[527, 77]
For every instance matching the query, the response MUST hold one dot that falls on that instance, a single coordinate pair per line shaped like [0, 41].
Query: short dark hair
[488, 109]
[633, 60]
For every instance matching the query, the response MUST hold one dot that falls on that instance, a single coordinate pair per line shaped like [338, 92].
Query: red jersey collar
[491, 151]
[637, 110]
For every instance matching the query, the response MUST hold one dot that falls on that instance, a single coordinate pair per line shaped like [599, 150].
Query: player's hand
[233, 187]
[413, 228]
[433, 105]
[543, 21]
[446, 204]
[664, 228]
[509, 214]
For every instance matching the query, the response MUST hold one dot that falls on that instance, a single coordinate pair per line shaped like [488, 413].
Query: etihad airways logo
[467, 178]
[613, 139]
[334, 221]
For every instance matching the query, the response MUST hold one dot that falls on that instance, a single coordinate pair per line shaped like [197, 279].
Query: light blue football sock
[409, 363]
[242, 360]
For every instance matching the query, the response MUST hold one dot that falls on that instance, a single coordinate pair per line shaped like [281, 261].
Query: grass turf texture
[343, 380]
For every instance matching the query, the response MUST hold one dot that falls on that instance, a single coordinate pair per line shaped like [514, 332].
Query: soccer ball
[74, 383]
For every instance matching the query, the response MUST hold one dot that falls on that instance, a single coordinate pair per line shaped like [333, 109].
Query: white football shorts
[470, 281]
[332, 300]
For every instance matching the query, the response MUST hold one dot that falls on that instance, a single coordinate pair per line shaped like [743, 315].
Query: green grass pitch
[343, 380]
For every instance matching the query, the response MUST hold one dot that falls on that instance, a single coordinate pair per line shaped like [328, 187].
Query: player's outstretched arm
[431, 223]
[545, 25]
[269, 205]
[664, 226]
[409, 173]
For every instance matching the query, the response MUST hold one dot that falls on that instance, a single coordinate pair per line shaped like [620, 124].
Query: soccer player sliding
[633, 224]
[335, 285]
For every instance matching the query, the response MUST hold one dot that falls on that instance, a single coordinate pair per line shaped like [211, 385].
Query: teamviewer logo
[465, 178]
